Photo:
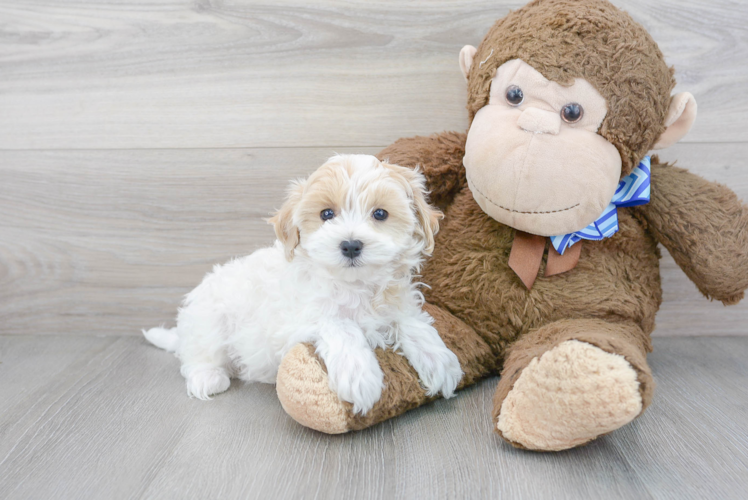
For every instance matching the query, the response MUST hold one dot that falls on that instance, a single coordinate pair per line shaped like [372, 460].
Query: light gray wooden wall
[142, 141]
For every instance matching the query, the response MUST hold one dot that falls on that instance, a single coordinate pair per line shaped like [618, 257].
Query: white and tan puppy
[340, 275]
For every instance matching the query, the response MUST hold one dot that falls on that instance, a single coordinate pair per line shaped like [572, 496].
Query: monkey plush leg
[303, 389]
[571, 381]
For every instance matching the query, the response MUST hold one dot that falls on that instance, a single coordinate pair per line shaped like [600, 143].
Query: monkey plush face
[566, 97]
[533, 158]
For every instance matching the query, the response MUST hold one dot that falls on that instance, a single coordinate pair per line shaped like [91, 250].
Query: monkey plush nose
[351, 249]
[539, 121]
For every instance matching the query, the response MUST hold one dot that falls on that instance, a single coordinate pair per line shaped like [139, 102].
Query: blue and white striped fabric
[633, 190]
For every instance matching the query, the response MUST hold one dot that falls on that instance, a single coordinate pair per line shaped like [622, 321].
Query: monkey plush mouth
[541, 212]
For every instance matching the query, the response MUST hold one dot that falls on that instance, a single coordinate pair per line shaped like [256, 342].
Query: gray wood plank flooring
[142, 142]
[108, 417]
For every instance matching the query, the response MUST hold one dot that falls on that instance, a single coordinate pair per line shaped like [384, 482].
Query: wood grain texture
[107, 242]
[209, 74]
[143, 141]
[109, 418]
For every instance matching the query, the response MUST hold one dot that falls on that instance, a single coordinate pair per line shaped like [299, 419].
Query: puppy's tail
[165, 338]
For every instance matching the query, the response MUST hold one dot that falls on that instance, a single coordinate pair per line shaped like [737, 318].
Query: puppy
[340, 276]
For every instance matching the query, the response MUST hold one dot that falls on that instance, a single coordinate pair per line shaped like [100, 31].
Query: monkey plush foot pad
[305, 394]
[570, 395]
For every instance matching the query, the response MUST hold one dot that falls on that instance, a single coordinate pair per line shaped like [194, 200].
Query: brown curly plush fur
[609, 300]
[482, 310]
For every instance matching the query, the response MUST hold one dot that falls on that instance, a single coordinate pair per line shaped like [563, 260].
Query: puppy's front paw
[439, 370]
[357, 380]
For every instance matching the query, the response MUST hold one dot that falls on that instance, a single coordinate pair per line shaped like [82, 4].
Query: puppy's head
[356, 214]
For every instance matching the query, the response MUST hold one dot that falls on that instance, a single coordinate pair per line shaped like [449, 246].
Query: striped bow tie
[528, 249]
[633, 190]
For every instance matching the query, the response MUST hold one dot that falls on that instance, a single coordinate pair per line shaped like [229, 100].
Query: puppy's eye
[514, 95]
[327, 214]
[572, 113]
[380, 214]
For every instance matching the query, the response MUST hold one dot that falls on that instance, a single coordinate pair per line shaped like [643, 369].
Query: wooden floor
[142, 142]
[108, 417]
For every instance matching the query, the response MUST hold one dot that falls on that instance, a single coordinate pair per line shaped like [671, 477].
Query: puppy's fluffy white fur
[246, 314]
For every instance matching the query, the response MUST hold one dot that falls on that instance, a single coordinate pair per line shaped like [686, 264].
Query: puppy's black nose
[351, 249]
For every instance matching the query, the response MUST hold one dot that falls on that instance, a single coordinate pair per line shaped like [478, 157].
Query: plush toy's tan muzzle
[539, 121]
[530, 172]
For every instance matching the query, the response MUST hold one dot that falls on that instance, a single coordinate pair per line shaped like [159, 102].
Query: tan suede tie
[527, 255]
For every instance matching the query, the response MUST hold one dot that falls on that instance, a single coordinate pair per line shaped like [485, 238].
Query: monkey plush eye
[572, 113]
[514, 95]
[327, 214]
[380, 214]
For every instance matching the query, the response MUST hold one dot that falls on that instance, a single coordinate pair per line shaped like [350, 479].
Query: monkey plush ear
[466, 59]
[679, 120]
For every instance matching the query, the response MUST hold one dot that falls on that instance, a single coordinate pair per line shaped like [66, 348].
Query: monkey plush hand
[546, 269]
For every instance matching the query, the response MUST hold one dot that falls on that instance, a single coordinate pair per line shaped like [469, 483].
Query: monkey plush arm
[439, 158]
[704, 226]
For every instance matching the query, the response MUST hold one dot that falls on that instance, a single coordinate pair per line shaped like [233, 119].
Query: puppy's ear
[428, 216]
[428, 219]
[285, 230]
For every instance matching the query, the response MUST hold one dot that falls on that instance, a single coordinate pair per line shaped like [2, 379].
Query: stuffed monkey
[546, 269]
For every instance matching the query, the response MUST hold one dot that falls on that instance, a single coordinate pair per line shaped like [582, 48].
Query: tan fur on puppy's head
[354, 187]
[285, 230]
[414, 183]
